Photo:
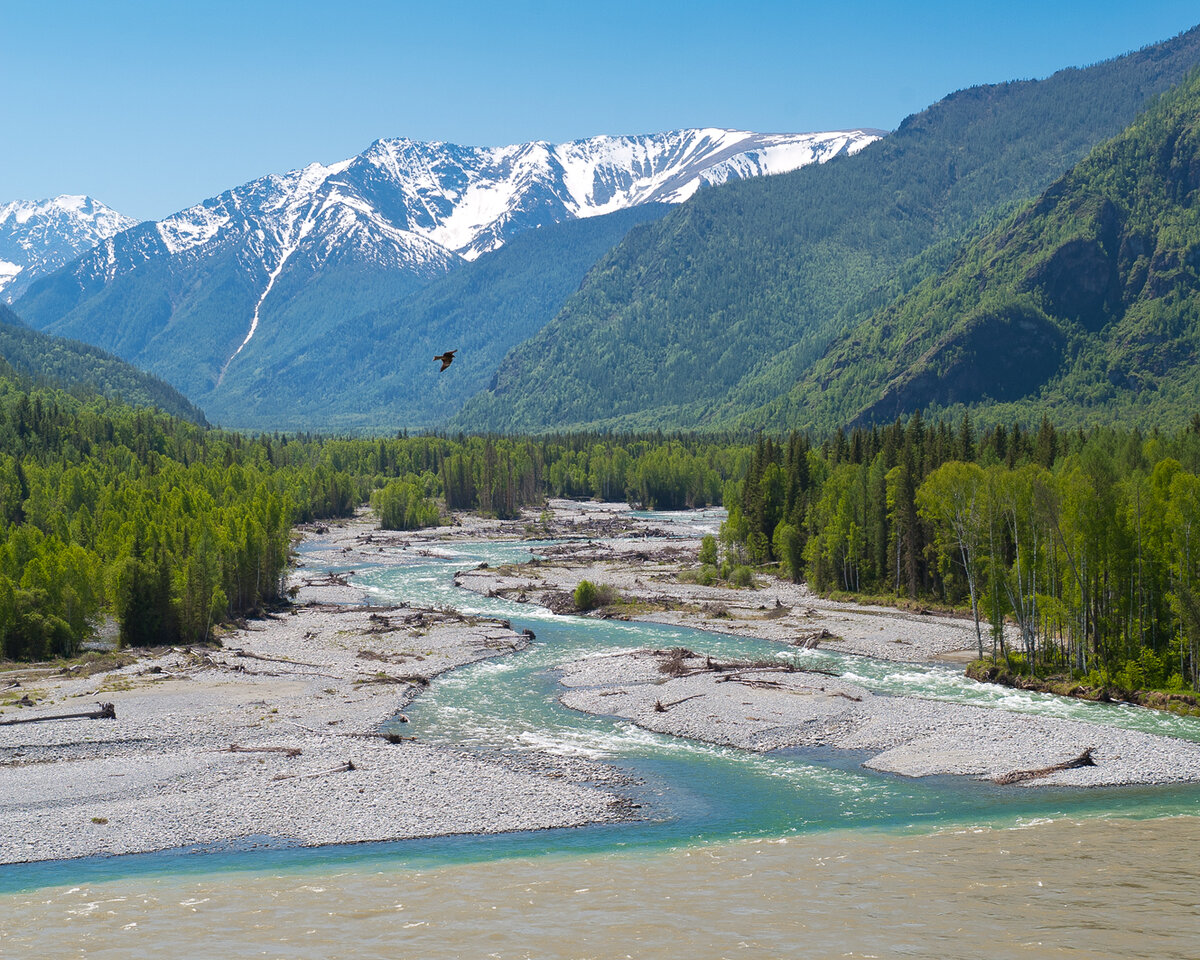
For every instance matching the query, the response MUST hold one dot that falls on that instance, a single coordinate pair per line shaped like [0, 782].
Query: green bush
[742, 577]
[708, 551]
[705, 576]
[585, 595]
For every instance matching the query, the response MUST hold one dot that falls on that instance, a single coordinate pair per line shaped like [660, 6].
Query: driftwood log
[103, 711]
[1019, 776]
[286, 751]
[340, 768]
[660, 707]
[389, 737]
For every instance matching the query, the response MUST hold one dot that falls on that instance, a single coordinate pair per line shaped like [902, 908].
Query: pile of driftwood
[810, 641]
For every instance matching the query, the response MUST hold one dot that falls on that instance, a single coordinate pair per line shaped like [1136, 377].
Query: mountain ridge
[187, 296]
[83, 369]
[38, 237]
[698, 322]
[1082, 304]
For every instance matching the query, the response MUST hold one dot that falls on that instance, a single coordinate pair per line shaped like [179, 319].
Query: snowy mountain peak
[389, 220]
[39, 236]
[469, 200]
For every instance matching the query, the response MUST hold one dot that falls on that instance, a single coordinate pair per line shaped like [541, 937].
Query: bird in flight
[447, 358]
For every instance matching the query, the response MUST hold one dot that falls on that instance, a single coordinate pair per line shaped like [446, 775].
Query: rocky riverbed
[273, 738]
[764, 709]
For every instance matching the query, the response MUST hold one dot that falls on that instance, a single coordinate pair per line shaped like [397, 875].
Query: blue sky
[153, 106]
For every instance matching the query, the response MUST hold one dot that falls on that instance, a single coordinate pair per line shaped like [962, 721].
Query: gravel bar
[764, 710]
[303, 696]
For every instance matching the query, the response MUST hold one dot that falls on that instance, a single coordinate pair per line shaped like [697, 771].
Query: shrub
[708, 551]
[706, 575]
[742, 577]
[590, 595]
[585, 595]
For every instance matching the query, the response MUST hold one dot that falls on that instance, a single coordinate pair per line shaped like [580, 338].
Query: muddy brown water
[1096, 888]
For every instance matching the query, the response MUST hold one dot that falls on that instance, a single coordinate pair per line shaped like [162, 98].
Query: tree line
[169, 528]
[1083, 542]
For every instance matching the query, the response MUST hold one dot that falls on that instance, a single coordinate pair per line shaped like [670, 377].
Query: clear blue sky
[153, 106]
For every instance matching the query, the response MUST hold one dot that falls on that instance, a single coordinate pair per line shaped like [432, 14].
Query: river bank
[762, 708]
[1097, 888]
[643, 569]
[765, 710]
[300, 697]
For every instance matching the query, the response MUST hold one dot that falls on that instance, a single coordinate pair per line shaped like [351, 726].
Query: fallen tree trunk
[742, 677]
[340, 768]
[104, 711]
[287, 751]
[660, 707]
[257, 656]
[1019, 776]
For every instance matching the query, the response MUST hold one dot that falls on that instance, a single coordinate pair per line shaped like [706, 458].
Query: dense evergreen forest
[83, 369]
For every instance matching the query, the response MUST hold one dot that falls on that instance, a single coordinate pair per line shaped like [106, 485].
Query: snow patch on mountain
[783, 155]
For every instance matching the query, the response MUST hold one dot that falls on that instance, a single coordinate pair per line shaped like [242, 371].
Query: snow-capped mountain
[287, 256]
[39, 236]
[469, 200]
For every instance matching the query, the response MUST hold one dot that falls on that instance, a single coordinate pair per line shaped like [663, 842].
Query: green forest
[1086, 544]
[1082, 304]
[170, 528]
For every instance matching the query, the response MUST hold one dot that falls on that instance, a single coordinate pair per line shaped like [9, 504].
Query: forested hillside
[724, 304]
[84, 369]
[374, 371]
[1084, 306]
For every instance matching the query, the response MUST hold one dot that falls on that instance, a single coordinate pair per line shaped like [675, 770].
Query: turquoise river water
[801, 854]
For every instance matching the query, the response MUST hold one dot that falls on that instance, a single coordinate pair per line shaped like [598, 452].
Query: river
[804, 854]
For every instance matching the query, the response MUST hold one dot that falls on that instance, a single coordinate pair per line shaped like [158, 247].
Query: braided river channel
[795, 854]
